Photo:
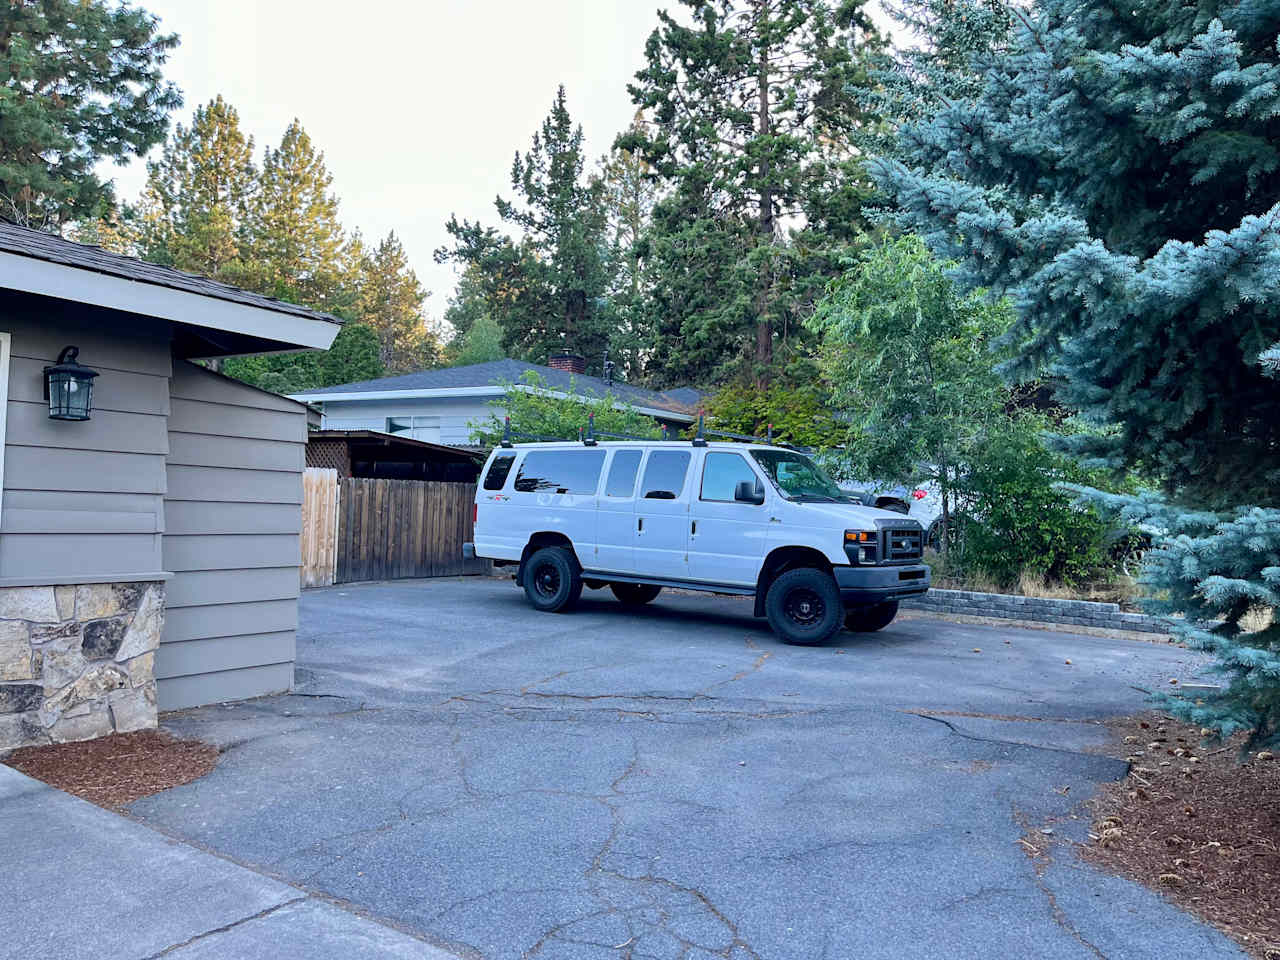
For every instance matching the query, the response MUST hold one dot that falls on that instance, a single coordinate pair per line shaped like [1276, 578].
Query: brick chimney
[568, 362]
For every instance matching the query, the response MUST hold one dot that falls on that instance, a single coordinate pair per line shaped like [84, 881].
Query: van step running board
[737, 591]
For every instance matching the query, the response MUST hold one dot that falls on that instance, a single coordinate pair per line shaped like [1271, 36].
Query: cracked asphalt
[674, 783]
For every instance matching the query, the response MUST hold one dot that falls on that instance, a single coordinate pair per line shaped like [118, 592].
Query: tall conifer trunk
[764, 327]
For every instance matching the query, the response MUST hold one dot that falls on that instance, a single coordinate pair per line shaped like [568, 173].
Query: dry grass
[1123, 590]
[1201, 826]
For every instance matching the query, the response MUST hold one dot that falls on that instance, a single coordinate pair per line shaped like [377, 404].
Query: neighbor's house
[148, 539]
[438, 406]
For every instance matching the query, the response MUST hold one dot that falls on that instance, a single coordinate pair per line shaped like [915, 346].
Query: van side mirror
[748, 492]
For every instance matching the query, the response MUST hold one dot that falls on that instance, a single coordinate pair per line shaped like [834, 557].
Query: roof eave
[66, 282]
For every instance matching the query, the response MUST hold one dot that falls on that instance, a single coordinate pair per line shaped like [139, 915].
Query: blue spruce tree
[1116, 173]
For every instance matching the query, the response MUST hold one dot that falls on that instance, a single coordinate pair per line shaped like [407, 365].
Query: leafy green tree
[390, 301]
[795, 410]
[544, 285]
[293, 223]
[352, 357]
[1116, 174]
[536, 412]
[82, 84]
[194, 211]
[1018, 517]
[752, 120]
[480, 344]
[906, 356]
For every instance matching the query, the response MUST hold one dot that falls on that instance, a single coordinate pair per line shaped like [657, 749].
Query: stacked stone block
[1078, 613]
[77, 661]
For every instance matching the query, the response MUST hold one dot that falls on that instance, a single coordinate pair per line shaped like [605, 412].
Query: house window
[415, 428]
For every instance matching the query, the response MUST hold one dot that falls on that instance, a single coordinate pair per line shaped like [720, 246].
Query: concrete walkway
[80, 881]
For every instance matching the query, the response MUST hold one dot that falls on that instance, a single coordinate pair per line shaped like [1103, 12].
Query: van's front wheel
[803, 606]
[551, 580]
[634, 594]
[871, 619]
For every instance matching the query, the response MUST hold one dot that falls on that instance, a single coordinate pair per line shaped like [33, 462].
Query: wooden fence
[319, 526]
[392, 529]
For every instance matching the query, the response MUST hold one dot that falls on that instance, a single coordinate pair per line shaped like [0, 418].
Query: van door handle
[640, 524]
[694, 531]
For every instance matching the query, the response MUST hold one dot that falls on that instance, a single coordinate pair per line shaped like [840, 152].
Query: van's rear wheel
[871, 619]
[803, 606]
[551, 580]
[634, 594]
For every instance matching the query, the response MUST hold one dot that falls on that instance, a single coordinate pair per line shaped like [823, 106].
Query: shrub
[537, 414]
[1019, 522]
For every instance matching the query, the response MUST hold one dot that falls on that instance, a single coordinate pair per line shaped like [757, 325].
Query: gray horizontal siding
[233, 515]
[178, 693]
[229, 619]
[214, 655]
[230, 485]
[84, 501]
[244, 551]
[196, 517]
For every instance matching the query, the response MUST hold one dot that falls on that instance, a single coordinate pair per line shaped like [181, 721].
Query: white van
[751, 519]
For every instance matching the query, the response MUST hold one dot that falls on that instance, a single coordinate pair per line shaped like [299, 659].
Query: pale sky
[418, 105]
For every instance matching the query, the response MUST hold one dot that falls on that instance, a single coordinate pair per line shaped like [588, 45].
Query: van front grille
[903, 544]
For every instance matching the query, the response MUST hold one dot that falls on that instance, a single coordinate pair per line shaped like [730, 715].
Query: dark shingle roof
[497, 372]
[54, 249]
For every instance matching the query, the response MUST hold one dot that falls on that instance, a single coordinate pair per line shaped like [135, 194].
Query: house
[376, 455]
[150, 513]
[438, 406]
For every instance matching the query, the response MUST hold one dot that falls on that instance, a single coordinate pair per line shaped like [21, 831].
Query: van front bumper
[867, 586]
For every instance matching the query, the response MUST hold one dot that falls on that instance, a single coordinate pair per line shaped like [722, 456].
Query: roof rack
[589, 436]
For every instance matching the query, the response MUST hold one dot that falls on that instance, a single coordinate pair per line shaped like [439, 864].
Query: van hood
[851, 515]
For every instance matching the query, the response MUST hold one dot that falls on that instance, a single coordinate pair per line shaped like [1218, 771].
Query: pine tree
[753, 114]
[1116, 173]
[82, 84]
[629, 192]
[195, 207]
[390, 301]
[544, 285]
[294, 227]
[1128, 207]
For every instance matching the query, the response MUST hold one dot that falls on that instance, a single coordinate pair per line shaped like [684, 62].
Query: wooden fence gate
[319, 526]
[391, 529]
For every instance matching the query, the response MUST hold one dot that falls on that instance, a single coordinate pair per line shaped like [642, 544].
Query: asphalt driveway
[674, 783]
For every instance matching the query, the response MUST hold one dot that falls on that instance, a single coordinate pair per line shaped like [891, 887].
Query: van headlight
[861, 546]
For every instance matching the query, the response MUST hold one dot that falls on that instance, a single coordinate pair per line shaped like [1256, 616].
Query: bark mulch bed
[1199, 824]
[116, 770]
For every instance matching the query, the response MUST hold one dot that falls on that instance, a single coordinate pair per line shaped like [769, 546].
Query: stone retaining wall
[1078, 613]
[77, 662]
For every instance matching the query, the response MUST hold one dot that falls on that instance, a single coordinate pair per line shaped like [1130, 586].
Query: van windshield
[797, 477]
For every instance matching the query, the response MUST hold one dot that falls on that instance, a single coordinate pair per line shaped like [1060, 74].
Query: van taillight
[475, 513]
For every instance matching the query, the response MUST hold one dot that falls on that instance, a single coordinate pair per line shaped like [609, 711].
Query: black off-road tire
[871, 619]
[803, 606]
[634, 594]
[551, 580]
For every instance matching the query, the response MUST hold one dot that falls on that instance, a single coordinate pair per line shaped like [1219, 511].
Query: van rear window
[560, 471]
[496, 478]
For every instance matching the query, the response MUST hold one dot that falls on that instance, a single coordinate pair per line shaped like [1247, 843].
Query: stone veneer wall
[1078, 613]
[77, 662]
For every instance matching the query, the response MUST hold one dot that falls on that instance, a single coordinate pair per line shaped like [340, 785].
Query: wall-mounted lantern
[69, 387]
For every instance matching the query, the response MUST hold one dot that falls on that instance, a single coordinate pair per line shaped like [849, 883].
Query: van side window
[496, 478]
[562, 471]
[664, 474]
[721, 475]
[622, 474]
